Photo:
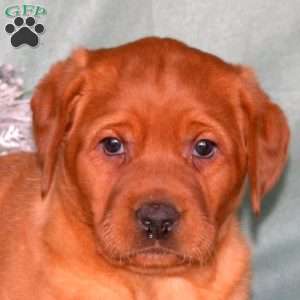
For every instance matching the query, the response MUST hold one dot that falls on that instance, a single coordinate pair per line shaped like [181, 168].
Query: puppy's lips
[156, 251]
[155, 257]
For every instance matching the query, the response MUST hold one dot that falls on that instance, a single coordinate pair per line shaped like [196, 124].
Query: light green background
[263, 34]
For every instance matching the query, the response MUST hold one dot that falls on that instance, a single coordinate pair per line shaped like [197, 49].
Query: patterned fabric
[15, 117]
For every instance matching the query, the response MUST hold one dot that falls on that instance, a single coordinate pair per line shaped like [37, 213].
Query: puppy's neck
[65, 230]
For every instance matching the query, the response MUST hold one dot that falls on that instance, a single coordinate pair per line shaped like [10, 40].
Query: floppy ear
[51, 105]
[268, 138]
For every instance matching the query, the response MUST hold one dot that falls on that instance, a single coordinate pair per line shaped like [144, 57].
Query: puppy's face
[155, 140]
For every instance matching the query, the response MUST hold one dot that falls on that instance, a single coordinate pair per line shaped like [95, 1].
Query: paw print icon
[24, 31]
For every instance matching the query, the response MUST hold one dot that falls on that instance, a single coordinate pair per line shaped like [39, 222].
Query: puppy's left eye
[204, 148]
[112, 146]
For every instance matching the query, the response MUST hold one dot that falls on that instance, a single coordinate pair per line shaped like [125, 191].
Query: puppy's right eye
[112, 146]
[204, 149]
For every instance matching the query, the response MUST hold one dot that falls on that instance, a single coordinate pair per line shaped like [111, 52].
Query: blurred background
[262, 34]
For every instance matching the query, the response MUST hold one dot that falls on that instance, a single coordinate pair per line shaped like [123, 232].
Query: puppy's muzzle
[157, 220]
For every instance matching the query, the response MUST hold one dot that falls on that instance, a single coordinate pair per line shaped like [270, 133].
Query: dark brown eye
[112, 146]
[204, 149]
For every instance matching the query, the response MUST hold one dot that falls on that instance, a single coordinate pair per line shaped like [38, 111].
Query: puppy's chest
[175, 288]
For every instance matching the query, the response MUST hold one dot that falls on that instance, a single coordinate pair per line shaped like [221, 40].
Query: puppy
[143, 152]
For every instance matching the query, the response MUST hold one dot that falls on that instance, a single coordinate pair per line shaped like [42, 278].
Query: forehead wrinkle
[126, 124]
[203, 119]
[117, 119]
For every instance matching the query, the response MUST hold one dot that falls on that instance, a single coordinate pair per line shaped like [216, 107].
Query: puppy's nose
[157, 219]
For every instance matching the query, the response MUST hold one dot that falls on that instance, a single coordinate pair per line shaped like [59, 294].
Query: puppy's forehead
[162, 74]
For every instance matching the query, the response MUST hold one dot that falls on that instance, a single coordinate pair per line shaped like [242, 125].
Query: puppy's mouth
[154, 258]
[157, 259]
[153, 251]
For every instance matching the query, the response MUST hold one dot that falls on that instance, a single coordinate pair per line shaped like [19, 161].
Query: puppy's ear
[51, 104]
[267, 138]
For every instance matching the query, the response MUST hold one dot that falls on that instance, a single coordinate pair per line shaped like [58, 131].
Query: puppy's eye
[112, 146]
[204, 149]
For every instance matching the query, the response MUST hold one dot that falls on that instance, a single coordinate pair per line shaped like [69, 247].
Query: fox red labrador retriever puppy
[143, 154]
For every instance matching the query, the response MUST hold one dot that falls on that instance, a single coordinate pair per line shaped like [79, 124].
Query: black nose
[157, 219]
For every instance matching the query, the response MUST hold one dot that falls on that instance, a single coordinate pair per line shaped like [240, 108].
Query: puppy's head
[154, 141]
